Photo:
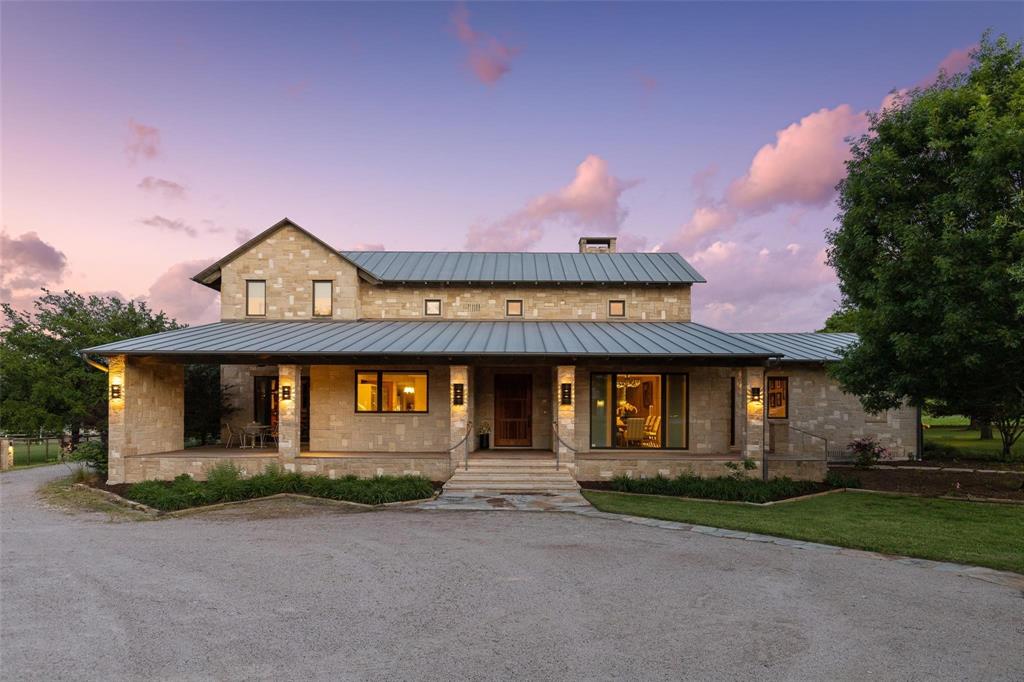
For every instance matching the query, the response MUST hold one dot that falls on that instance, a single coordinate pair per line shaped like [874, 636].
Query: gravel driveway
[311, 593]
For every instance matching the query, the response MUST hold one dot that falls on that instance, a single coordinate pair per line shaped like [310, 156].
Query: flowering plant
[867, 451]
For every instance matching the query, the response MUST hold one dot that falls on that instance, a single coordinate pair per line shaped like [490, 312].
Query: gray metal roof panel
[465, 266]
[443, 337]
[802, 346]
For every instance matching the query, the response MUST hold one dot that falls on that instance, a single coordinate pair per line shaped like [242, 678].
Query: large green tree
[930, 247]
[46, 385]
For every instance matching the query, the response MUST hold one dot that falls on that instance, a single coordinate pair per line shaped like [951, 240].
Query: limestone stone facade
[566, 302]
[289, 261]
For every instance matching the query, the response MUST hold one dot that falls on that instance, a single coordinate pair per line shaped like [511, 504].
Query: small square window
[256, 297]
[616, 308]
[432, 306]
[514, 307]
[323, 298]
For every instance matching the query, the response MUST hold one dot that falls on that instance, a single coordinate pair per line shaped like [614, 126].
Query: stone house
[436, 363]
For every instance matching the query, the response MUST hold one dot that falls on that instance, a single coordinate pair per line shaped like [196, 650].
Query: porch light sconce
[755, 394]
[115, 391]
[286, 393]
[567, 394]
[458, 394]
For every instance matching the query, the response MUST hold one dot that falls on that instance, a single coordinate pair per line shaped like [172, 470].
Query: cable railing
[465, 439]
[559, 439]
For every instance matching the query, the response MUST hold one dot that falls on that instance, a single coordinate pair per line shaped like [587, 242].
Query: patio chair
[634, 431]
[231, 437]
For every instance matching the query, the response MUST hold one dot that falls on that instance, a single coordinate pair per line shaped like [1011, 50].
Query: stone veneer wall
[483, 402]
[334, 424]
[150, 415]
[289, 261]
[817, 404]
[570, 302]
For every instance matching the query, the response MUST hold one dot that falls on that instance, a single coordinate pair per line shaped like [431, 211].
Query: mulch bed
[959, 464]
[937, 483]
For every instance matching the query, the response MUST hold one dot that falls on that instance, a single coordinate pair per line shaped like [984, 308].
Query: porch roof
[802, 346]
[441, 338]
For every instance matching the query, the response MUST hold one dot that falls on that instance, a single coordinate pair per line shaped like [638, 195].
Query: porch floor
[215, 451]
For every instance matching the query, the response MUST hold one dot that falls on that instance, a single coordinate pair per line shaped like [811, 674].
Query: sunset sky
[141, 141]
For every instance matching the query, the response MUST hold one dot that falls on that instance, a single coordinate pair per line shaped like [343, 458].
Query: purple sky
[142, 141]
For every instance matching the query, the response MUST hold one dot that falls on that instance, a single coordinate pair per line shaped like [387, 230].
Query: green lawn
[944, 530]
[968, 443]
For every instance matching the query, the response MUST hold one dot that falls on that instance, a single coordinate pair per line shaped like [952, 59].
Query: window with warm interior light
[638, 411]
[323, 298]
[380, 391]
[778, 397]
[616, 308]
[432, 307]
[256, 297]
[514, 307]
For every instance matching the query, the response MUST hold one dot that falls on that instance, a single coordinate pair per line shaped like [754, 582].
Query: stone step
[484, 463]
[509, 476]
[510, 486]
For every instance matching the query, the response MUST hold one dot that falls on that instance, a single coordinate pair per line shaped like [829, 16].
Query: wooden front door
[513, 410]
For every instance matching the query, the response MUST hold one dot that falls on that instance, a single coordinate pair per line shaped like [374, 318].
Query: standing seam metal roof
[461, 266]
[803, 347]
[448, 337]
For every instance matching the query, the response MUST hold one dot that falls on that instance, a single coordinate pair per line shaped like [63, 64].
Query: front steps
[523, 474]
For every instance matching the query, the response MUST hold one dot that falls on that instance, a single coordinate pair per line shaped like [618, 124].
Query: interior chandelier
[628, 382]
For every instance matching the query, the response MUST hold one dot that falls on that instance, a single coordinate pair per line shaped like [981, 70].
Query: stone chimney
[597, 244]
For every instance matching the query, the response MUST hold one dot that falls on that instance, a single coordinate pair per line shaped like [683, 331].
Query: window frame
[426, 307]
[380, 390]
[522, 307]
[613, 302]
[331, 297]
[256, 281]
[785, 396]
[664, 408]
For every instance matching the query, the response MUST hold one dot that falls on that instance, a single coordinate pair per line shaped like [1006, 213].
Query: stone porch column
[289, 411]
[461, 415]
[754, 428]
[145, 411]
[565, 417]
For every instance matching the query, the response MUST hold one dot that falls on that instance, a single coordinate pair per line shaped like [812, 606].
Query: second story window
[616, 308]
[323, 298]
[432, 307]
[514, 307]
[256, 297]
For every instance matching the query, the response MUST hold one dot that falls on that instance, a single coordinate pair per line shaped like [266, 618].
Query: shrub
[93, 454]
[835, 479]
[727, 488]
[866, 451]
[225, 484]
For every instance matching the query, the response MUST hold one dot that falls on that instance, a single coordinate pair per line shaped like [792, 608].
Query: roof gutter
[92, 363]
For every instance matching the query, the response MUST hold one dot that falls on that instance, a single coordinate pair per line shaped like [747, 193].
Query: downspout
[764, 424]
[920, 436]
[92, 363]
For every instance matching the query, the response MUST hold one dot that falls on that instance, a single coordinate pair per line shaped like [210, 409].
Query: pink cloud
[242, 236]
[168, 188]
[298, 88]
[955, 62]
[186, 301]
[363, 246]
[647, 82]
[592, 200]
[176, 225]
[143, 141]
[803, 165]
[489, 58]
[631, 243]
[746, 285]
[29, 263]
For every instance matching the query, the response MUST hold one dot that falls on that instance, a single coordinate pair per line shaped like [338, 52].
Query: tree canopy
[930, 246]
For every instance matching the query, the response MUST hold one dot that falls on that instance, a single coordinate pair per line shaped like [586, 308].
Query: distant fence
[42, 449]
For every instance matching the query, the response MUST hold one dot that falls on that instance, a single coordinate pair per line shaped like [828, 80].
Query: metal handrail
[465, 439]
[812, 435]
[558, 437]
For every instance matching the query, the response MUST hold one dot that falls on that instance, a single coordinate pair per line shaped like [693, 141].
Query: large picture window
[638, 411]
[256, 297]
[778, 397]
[379, 391]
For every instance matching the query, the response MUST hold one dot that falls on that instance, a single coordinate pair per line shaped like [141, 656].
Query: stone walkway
[577, 504]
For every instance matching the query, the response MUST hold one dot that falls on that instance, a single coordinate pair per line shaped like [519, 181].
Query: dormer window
[514, 307]
[616, 308]
[432, 307]
[256, 297]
